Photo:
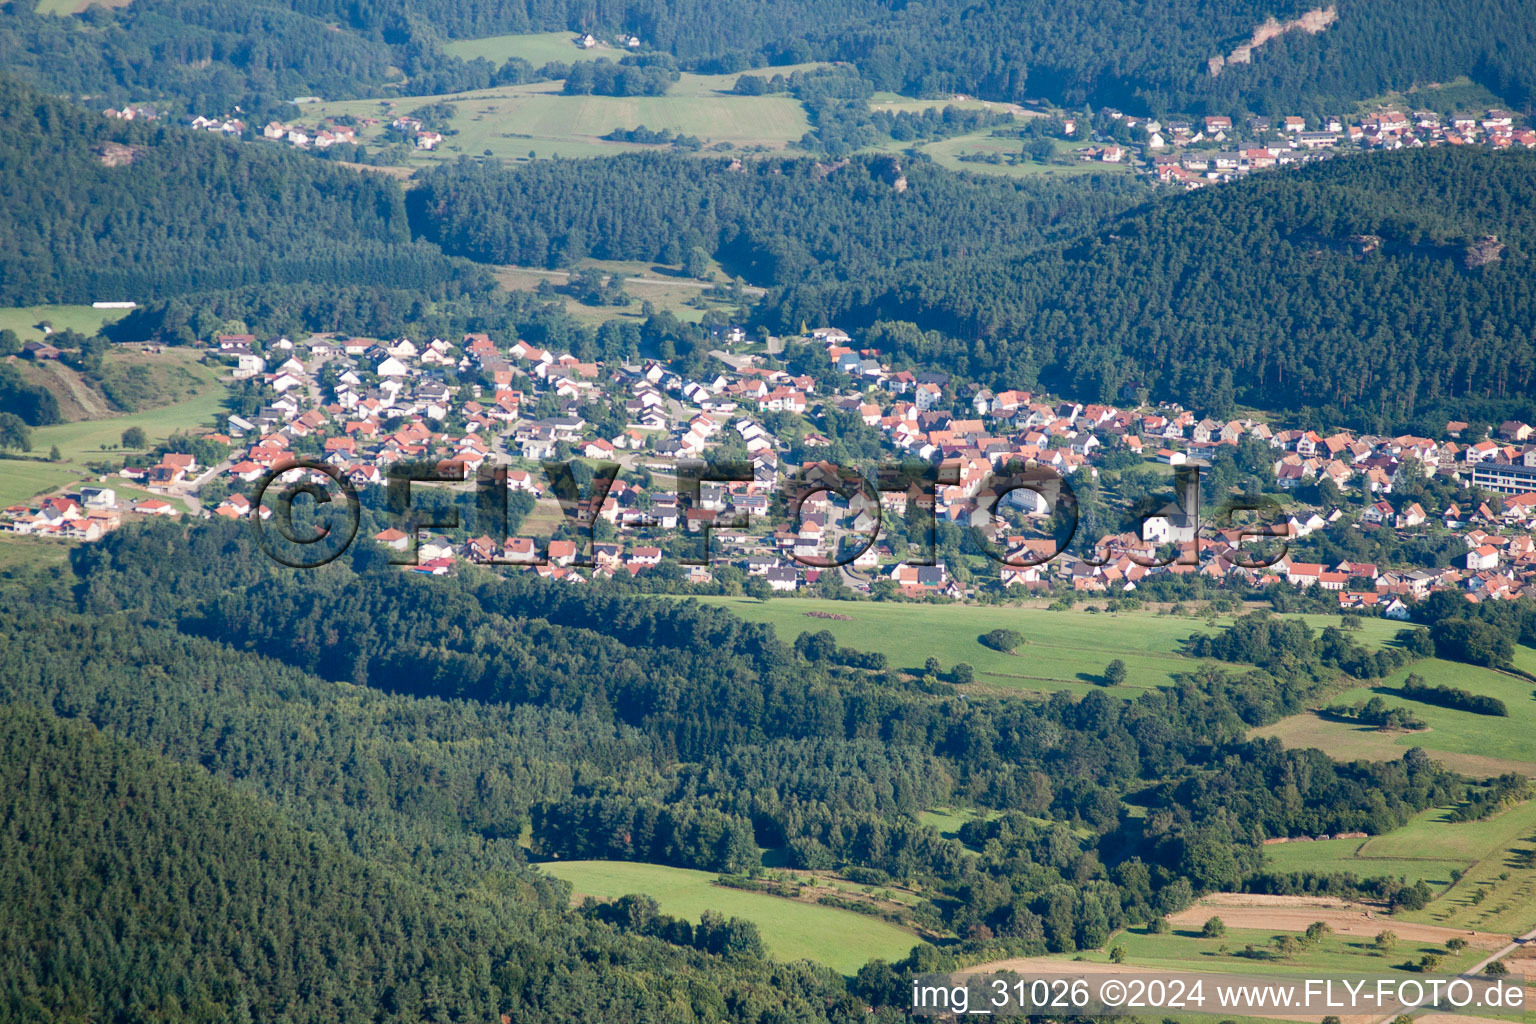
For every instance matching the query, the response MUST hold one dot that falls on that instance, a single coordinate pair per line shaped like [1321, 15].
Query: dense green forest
[97, 208]
[315, 784]
[739, 724]
[1350, 286]
[138, 888]
[1347, 286]
[773, 221]
[1148, 58]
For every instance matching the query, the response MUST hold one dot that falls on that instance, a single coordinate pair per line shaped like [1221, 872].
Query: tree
[1004, 640]
[1114, 673]
[1386, 941]
[10, 343]
[14, 432]
[1117, 955]
[1456, 945]
[135, 438]
[1498, 968]
[1214, 928]
[54, 455]
[1317, 931]
[696, 262]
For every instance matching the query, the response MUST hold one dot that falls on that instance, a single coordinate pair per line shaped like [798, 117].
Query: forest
[1344, 288]
[688, 731]
[331, 764]
[101, 209]
[773, 221]
[1147, 59]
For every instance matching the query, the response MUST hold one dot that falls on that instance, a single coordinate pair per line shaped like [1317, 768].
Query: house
[393, 539]
[98, 497]
[782, 578]
[1484, 557]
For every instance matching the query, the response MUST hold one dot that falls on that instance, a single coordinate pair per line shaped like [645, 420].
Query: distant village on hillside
[1215, 149]
[362, 405]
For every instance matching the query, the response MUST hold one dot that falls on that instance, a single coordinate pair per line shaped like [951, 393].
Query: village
[1194, 154]
[361, 406]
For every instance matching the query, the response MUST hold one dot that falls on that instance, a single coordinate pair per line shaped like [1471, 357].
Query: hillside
[1295, 56]
[98, 208]
[138, 888]
[774, 221]
[1359, 286]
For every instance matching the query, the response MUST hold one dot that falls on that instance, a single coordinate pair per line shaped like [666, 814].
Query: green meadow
[513, 121]
[839, 939]
[85, 319]
[1467, 742]
[21, 479]
[82, 442]
[947, 153]
[1493, 857]
[1066, 650]
[1499, 863]
[537, 48]
[1185, 950]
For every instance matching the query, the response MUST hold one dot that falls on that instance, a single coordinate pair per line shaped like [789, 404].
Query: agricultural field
[1067, 650]
[839, 939]
[85, 319]
[1492, 856]
[663, 287]
[91, 440]
[1467, 742]
[17, 552]
[947, 153]
[64, 8]
[1499, 864]
[1340, 855]
[1252, 951]
[537, 48]
[513, 122]
[21, 479]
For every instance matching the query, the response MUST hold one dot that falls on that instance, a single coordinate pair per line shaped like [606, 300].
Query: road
[1480, 966]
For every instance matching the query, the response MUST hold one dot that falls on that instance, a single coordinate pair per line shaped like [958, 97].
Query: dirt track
[1294, 913]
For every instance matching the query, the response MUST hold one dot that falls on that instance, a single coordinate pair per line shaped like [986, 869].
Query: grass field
[1493, 852]
[839, 939]
[1185, 950]
[1066, 650]
[20, 480]
[514, 121]
[32, 552]
[1475, 744]
[130, 376]
[67, 7]
[537, 48]
[82, 442]
[947, 152]
[1490, 854]
[1345, 855]
[656, 284]
[85, 319]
